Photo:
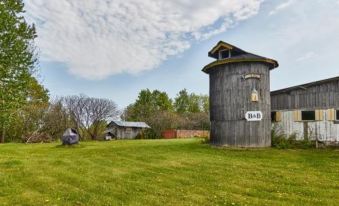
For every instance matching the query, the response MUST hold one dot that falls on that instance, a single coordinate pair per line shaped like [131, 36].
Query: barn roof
[130, 124]
[305, 86]
[238, 56]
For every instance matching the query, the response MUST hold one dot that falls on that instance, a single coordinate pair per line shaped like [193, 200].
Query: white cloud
[98, 38]
[281, 7]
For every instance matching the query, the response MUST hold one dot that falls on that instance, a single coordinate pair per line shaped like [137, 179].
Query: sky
[115, 48]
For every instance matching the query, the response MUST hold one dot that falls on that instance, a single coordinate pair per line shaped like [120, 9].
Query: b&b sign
[253, 116]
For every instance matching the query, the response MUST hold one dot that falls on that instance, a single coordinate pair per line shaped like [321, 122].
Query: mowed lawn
[165, 172]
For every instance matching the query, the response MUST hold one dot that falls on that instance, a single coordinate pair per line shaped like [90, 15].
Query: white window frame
[222, 50]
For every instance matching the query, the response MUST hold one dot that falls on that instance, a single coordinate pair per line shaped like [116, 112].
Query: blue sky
[100, 50]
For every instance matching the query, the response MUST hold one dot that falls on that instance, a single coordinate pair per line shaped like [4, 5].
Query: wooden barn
[240, 103]
[308, 111]
[124, 130]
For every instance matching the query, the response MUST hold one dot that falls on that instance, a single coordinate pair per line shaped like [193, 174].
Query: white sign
[253, 116]
[252, 76]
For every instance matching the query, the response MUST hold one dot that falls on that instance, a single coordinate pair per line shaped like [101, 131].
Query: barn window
[276, 116]
[332, 114]
[307, 115]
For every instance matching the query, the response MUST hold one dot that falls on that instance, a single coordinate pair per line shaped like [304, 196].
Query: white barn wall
[323, 130]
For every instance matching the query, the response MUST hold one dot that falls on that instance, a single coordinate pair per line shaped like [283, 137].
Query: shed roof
[130, 124]
[241, 56]
[305, 86]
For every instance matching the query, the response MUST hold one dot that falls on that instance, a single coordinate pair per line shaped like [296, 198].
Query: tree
[29, 119]
[33, 111]
[88, 113]
[189, 111]
[205, 103]
[182, 101]
[17, 60]
[56, 120]
[191, 103]
[194, 103]
[148, 103]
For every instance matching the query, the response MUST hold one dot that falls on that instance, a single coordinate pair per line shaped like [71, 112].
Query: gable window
[307, 115]
[224, 54]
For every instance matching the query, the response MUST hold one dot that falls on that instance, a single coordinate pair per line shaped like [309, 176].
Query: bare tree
[56, 119]
[88, 114]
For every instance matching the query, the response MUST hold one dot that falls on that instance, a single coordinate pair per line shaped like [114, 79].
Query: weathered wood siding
[318, 96]
[324, 130]
[230, 99]
[314, 97]
[127, 133]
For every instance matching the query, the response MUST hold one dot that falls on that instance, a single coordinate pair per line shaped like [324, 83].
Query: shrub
[151, 134]
[282, 141]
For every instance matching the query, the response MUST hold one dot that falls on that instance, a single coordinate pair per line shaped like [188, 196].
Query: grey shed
[125, 130]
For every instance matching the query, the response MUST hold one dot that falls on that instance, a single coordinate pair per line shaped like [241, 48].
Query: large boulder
[70, 137]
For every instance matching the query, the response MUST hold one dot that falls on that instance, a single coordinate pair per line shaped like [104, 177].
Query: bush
[282, 141]
[151, 134]
[37, 138]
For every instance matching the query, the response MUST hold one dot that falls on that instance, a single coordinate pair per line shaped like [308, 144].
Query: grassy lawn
[165, 172]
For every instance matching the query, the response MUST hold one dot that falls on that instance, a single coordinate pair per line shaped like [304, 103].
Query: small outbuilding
[125, 130]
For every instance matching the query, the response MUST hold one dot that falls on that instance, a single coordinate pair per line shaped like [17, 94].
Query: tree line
[26, 111]
[27, 114]
[186, 111]
[47, 120]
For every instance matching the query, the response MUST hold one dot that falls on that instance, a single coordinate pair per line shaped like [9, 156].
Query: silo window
[224, 54]
[307, 115]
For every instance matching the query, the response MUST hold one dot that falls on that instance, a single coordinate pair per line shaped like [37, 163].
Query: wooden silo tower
[240, 103]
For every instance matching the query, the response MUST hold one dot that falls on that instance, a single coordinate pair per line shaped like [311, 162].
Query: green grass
[165, 172]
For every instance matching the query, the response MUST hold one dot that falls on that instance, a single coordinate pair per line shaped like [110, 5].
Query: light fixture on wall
[254, 95]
